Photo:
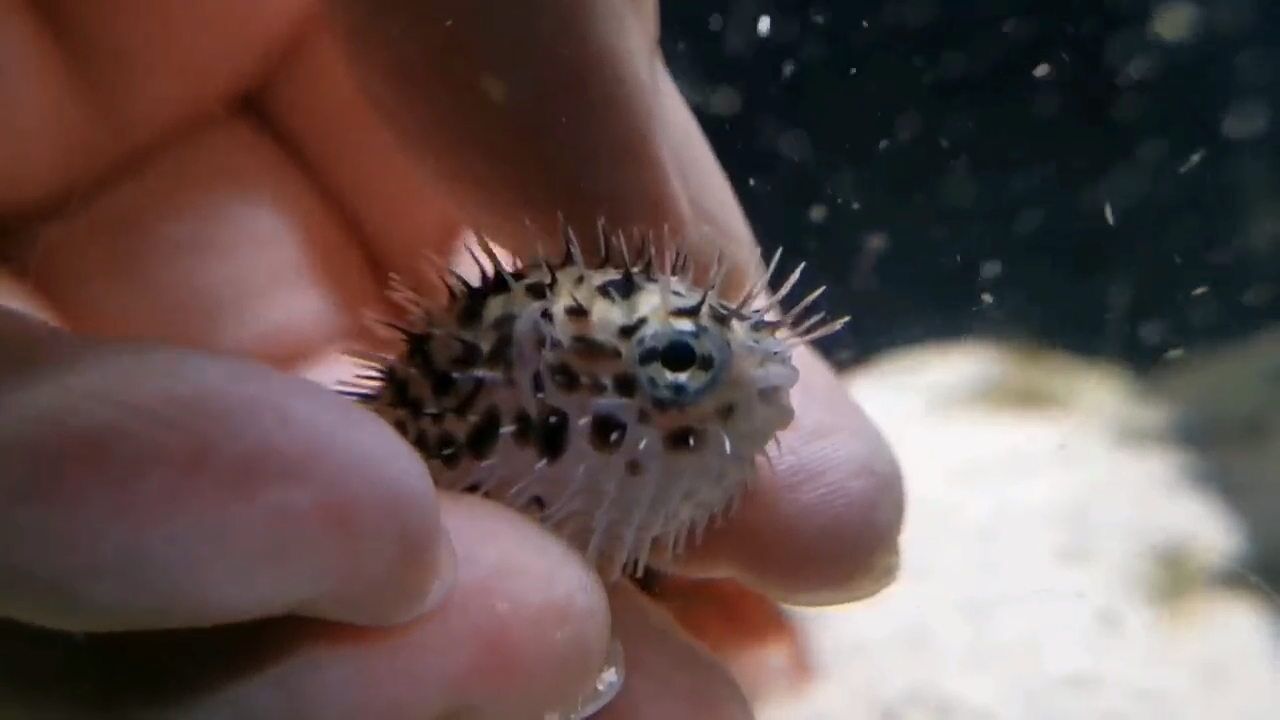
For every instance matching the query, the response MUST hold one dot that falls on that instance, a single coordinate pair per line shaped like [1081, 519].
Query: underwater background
[1099, 175]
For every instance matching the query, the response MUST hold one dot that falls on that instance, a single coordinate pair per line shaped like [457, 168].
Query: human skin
[198, 201]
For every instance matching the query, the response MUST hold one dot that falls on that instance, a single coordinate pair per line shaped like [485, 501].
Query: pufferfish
[619, 403]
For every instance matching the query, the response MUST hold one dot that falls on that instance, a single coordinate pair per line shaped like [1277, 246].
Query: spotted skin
[622, 405]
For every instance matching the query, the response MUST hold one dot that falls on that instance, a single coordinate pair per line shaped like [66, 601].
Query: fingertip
[821, 527]
[419, 572]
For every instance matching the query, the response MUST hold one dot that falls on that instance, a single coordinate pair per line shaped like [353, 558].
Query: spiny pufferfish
[619, 403]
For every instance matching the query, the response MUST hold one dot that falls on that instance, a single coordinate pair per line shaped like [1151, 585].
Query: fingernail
[880, 574]
[445, 575]
[351, 604]
[603, 690]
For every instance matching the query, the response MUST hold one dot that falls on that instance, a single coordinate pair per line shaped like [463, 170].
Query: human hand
[186, 184]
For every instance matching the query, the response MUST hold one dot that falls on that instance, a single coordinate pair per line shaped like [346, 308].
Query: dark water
[947, 167]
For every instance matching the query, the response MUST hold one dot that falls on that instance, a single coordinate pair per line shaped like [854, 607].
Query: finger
[152, 488]
[18, 296]
[85, 86]
[317, 106]
[667, 674]
[219, 242]
[524, 631]
[525, 112]
[821, 526]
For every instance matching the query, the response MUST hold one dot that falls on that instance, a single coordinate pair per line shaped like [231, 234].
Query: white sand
[1059, 561]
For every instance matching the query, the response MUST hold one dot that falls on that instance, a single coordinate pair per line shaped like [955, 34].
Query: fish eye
[678, 355]
[679, 367]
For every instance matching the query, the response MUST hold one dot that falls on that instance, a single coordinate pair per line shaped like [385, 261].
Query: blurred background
[1056, 226]
[947, 167]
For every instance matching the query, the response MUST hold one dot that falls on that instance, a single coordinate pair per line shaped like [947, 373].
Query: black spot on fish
[762, 325]
[552, 434]
[649, 356]
[423, 443]
[719, 314]
[536, 290]
[448, 450]
[596, 386]
[523, 434]
[690, 311]
[591, 349]
[622, 287]
[628, 331]
[683, 439]
[469, 354]
[608, 432]
[443, 383]
[482, 438]
[474, 387]
[418, 350]
[624, 384]
[471, 309]
[564, 377]
[396, 388]
[501, 355]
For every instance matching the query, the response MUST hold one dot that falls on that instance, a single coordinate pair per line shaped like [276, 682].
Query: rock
[1226, 405]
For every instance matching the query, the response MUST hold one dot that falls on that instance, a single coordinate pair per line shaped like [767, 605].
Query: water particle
[494, 89]
[990, 269]
[724, 101]
[1177, 21]
[764, 25]
[1246, 120]
[1191, 161]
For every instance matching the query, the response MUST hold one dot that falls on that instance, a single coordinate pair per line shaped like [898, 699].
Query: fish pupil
[678, 356]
